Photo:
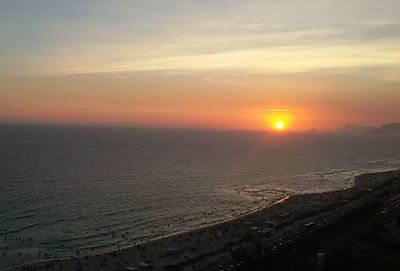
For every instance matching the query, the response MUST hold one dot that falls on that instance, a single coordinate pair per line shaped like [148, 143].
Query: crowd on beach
[18, 249]
[275, 226]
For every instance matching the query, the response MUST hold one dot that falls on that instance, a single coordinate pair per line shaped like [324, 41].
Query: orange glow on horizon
[105, 101]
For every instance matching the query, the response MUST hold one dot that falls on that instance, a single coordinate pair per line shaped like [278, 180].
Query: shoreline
[148, 241]
[157, 251]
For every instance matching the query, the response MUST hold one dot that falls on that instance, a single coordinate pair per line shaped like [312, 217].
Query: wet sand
[206, 248]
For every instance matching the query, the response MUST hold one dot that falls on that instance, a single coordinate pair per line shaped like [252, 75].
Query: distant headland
[387, 129]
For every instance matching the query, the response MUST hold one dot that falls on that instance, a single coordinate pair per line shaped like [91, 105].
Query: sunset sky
[200, 64]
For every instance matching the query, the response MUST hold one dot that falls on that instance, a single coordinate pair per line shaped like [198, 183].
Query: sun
[279, 125]
[278, 120]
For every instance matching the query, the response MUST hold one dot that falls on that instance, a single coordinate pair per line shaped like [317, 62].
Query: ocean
[67, 189]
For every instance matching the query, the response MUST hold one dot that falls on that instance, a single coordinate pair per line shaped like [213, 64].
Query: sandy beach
[214, 246]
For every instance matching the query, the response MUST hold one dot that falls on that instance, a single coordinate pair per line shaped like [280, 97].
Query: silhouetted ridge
[356, 129]
[393, 128]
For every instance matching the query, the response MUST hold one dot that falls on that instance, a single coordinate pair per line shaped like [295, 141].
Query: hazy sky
[209, 63]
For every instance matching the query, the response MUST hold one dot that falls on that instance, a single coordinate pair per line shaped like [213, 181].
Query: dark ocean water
[78, 188]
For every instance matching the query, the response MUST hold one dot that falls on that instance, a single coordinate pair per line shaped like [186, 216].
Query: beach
[207, 248]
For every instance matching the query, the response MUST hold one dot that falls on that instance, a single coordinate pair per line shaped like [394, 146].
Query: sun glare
[279, 125]
[278, 119]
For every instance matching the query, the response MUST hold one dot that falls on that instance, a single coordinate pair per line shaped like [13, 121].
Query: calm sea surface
[64, 189]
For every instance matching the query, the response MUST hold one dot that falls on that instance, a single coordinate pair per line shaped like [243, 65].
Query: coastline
[188, 249]
[148, 241]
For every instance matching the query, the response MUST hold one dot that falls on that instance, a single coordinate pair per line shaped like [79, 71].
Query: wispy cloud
[254, 36]
[278, 110]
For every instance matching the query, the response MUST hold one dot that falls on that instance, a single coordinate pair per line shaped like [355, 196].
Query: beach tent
[266, 231]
